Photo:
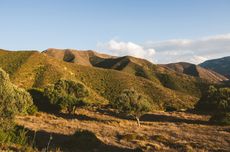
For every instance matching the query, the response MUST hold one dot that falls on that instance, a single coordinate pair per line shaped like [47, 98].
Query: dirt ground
[159, 131]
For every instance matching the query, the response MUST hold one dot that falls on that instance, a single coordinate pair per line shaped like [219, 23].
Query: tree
[67, 94]
[131, 103]
[216, 100]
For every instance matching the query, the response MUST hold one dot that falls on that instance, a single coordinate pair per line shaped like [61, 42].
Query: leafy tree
[131, 103]
[67, 94]
[216, 100]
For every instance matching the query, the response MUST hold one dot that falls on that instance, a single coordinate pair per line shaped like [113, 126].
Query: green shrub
[16, 135]
[132, 103]
[215, 99]
[13, 100]
[67, 94]
[222, 118]
[32, 110]
[40, 101]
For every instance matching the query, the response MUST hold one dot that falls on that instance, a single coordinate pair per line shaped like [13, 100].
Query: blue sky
[138, 25]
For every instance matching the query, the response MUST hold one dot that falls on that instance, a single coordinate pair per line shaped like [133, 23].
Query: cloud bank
[178, 50]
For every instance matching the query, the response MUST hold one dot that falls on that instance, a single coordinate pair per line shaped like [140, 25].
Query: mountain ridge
[196, 71]
[137, 66]
[220, 65]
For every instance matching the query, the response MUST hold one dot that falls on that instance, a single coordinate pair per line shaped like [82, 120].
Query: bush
[132, 103]
[13, 100]
[67, 94]
[32, 110]
[222, 118]
[40, 101]
[216, 100]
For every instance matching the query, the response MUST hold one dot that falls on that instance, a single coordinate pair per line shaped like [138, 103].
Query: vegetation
[132, 103]
[39, 70]
[13, 100]
[216, 100]
[222, 118]
[67, 94]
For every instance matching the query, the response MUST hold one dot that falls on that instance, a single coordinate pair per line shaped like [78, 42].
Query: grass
[153, 135]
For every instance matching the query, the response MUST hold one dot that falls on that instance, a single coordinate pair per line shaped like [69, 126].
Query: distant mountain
[221, 65]
[196, 71]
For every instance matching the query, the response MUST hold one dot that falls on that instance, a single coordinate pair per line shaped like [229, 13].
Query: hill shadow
[171, 119]
[81, 117]
[81, 141]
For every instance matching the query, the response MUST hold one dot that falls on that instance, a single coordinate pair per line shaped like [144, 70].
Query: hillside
[143, 68]
[196, 71]
[221, 65]
[33, 69]
[87, 58]
[100, 126]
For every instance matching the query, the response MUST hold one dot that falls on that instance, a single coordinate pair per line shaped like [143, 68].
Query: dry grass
[160, 131]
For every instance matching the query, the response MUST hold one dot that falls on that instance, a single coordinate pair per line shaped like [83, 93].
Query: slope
[196, 71]
[138, 67]
[221, 65]
[38, 70]
[87, 58]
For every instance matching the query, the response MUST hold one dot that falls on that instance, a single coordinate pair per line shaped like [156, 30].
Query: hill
[196, 71]
[221, 65]
[142, 68]
[87, 58]
[34, 69]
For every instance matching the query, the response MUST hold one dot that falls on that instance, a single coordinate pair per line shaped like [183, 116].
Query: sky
[161, 31]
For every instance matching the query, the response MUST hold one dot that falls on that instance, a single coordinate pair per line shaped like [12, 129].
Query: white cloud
[177, 50]
[118, 48]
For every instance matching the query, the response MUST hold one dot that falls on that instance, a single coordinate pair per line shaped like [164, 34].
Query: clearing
[159, 131]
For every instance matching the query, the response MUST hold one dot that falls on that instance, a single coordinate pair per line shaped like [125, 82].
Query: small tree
[67, 94]
[132, 103]
[217, 101]
[70, 103]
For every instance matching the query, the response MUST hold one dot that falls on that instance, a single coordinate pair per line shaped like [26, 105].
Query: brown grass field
[159, 131]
